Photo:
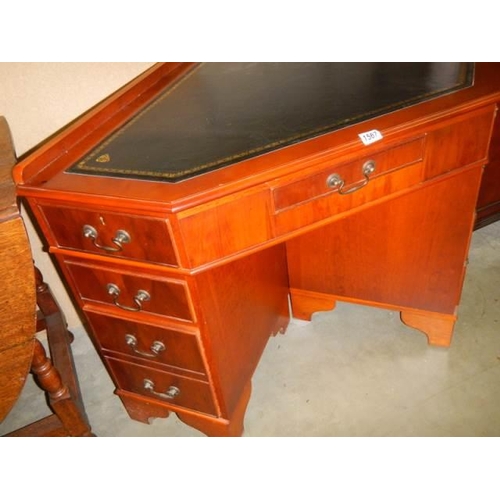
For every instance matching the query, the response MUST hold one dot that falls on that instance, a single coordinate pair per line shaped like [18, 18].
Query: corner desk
[195, 210]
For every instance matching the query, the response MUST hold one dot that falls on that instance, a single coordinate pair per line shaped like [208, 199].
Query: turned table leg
[60, 400]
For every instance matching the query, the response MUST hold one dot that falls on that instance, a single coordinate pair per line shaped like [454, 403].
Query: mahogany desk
[186, 209]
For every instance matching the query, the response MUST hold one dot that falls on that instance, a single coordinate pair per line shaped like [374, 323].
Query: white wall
[39, 99]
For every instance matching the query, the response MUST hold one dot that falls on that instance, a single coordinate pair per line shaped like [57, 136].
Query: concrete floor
[354, 371]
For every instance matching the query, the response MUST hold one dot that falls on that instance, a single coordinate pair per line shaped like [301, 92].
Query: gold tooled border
[467, 71]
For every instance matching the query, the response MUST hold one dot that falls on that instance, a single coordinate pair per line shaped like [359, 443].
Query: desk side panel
[409, 252]
[488, 204]
[459, 144]
[241, 305]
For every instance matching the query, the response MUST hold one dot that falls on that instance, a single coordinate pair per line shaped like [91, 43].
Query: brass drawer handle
[171, 393]
[335, 181]
[140, 297]
[156, 347]
[121, 237]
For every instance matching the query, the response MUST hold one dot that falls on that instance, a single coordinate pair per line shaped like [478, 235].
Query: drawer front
[162, 386]
[459, 144]
[337, 189]
[122, 236]
[133, 292]
[148, 343]
[320, 183]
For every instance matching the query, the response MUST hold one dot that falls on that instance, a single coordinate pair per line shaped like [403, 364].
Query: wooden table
[26, 308]
[186, 209]
[17, 293]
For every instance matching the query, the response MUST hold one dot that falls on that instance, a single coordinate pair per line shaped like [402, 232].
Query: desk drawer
[162, 386]
[339, 188]
[135, 292]
[319, 183]
[148, 343]
[106, 233]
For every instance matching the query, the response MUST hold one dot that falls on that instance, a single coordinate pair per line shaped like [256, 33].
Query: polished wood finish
[243, 303]
[17, 293]
[437, 327]
[179, 349]
[488, 204]
[366, 259]
[239, 241]
[55, 375]
[63, 220]
[28, 307]
[167, 296]
[221, 427]
[192, 394]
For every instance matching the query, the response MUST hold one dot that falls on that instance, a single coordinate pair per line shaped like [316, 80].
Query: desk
[185, 263]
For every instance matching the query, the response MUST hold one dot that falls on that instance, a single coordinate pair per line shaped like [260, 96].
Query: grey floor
[354, 371]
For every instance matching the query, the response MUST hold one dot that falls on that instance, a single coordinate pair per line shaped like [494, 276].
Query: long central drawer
[329, 190]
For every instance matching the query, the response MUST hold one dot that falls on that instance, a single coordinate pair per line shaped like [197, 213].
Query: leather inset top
[221, 113]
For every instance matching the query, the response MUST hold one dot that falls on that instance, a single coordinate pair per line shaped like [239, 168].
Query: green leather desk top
[222, 113]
